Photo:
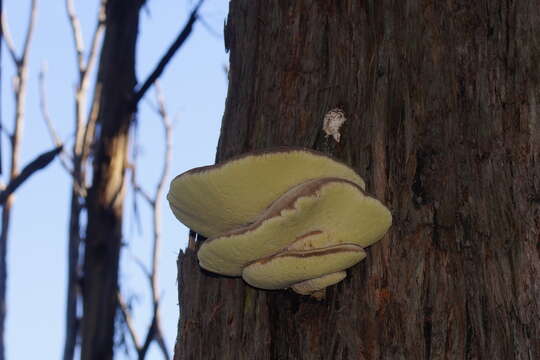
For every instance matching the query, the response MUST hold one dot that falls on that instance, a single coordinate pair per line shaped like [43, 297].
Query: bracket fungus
[280, 218]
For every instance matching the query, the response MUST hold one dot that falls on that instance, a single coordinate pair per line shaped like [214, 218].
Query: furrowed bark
[442, 108]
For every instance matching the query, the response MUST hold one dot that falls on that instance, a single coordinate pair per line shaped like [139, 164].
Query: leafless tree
[115, 101]
[92, 287]
[16, 176]
[84, 132]
[154, 201]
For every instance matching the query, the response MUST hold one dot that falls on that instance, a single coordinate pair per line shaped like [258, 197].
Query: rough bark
[115, 84]
[442, 107]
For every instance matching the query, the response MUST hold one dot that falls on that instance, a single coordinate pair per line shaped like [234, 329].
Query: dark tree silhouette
[117, 96]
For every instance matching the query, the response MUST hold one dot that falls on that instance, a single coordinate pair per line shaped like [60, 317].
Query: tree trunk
[442, 106]
[115, 84]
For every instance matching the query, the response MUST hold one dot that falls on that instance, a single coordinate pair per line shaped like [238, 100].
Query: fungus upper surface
[214, 199]
[280, 218]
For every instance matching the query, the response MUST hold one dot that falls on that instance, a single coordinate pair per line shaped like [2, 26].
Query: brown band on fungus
[308, 234]
[287, 202]
[311, 252]
[288, 268]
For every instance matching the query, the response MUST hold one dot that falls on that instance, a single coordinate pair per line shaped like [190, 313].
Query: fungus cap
[313, 286]
[315, 214]
[287, 268]
[214, 199]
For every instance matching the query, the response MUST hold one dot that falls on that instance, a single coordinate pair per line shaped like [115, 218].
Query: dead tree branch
[20, 83]
[8, 40]
[178, 42]
[129, 321]
[30, 31]
[84, 131]
[63, 156]
[154, 332]
[35, 165]
[76, 33]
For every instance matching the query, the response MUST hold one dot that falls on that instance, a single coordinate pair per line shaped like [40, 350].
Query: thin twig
[44, 108]
[154, 330]
[77, 34]
[167, 133]
[129, 322]
[184, 34]
[30, 31]
[90, 126]
[94, 47]
[151, 333]
[140, 191]
[8, 40]
[209, 28]
[63, 156]
[37, 164]
[158, 196]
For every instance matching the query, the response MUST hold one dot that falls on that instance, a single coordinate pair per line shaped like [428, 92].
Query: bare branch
[161, 184]
[76, 33]
[15, 178]
[44, 108]
[129, 322]
[8, 40]
[30, 31]
[37, 164]
[143, 267]
[209, 28]
[140, 191]
[149, 337]
[154, 331]
[184, 34]
[50, 127]
[94, 47]
[161, 342]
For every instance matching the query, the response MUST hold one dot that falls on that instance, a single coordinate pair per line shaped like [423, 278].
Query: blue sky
[194, 86]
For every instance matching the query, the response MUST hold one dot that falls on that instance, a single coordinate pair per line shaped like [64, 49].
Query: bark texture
[442, 106]
[115, 84]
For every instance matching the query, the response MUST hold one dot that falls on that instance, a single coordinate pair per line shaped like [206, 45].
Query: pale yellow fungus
[282, 270]
[213, 199]
[280, 218]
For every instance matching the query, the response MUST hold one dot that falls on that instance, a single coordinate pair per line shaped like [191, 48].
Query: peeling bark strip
[442, 99]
